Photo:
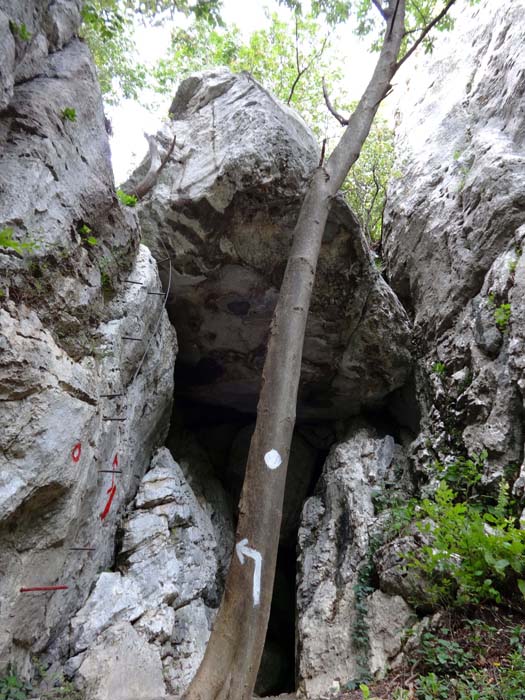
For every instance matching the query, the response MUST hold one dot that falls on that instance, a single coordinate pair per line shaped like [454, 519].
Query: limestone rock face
[461, 134]
[334, 597]
[164, 586]
[57, 438]
[455, 228]
[224, 208]
[388, 618]
[122, 665]
[28, 32]
[66, 314]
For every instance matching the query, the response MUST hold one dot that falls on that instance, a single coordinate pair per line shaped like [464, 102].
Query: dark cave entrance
[224, 434]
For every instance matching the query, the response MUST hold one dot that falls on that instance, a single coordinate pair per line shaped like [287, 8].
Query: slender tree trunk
[231, 662]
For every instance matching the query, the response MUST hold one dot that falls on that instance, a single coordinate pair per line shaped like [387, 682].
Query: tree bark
[231, 662]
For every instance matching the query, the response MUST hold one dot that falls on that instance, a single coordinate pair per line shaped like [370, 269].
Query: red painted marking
[76, 452]
[112, 489]
[43, 588]
[115, 462]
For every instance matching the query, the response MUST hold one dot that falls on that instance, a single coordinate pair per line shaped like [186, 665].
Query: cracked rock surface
[162, 594]
[455, 231]
[339, 523]
[65, 313]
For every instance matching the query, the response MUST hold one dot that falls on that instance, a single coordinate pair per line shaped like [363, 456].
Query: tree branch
[302, 71]
[380, 10]
[294, 84]
[425, 31]
[331, 108]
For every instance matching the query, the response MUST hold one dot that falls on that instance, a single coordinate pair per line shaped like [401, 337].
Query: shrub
[129, 200]
[476, 551]
[69, 114]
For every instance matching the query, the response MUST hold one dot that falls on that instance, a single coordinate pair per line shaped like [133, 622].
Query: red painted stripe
[44, 588]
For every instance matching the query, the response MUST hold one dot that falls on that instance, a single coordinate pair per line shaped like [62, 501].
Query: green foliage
[12, 687]
[439, 368]
[401, 694]
[360, 637]
[20, 31]
[69, 114]
[365, 691]
[107, 270]
[53, 686]
[418, 13]
[270, 55]
[108, 27]
[444, 655]
[7, 241]
[85, 233]
[430, 687]
[502, 316]
[201, 9]
[472, 684]
[464, 473]
[129, 200]
[476, 552]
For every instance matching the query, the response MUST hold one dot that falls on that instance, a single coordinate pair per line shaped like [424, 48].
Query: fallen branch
[155, 167]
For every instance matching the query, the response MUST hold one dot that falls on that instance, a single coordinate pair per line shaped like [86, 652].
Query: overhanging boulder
[224, 209]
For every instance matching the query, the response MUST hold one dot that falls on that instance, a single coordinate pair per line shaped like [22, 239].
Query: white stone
[388, 619]
[121, 665]
[156, 625]
[333, 544]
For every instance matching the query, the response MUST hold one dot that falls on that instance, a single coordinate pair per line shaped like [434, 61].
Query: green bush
[502, 316]
[7, 241]
[464, 473]
[442, 655]
[69, 114]
[439, 368]
[476, 552]
[431, 687]
[20, 31]
[129, 200]
[12, 687]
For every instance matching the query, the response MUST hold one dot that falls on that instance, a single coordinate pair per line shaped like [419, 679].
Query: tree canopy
[292, 59]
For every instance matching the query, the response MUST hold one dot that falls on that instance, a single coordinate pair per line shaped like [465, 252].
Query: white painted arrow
[242, 550]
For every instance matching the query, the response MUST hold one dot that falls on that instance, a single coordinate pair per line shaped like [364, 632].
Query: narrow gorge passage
[221, 436]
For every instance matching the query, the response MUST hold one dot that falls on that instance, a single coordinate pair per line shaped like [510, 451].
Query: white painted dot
[272, 459]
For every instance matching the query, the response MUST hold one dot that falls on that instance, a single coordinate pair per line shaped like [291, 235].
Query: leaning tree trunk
[231, 662]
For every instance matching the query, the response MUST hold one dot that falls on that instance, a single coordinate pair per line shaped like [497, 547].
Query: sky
[130, 120]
